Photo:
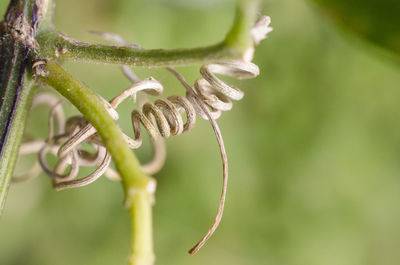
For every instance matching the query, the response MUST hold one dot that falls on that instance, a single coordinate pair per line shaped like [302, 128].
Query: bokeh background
[314, 146]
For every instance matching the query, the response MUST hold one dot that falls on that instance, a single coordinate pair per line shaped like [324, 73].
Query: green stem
[54, 45]
[239, 37]
[57, 46]
[139, 188]
[11, 143]
[142, 231]
[17, 42]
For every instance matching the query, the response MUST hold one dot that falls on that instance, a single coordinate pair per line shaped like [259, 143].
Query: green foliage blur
[377, 21]
[314, 150]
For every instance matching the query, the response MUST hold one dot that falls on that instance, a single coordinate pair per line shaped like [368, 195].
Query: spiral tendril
[208, 98]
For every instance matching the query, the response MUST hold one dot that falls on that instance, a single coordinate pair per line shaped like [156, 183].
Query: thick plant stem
[139, 188]
[13, 136]
[58, 46]
[12, 70]
[17, 42]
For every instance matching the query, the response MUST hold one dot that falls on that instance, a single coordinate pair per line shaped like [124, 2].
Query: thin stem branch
[142, 229]
[58, 46]
[55, 45]
[139, 188]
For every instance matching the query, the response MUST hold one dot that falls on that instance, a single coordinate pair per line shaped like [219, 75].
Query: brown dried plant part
[208, 97]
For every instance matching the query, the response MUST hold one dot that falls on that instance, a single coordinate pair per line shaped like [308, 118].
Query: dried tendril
[208, 97]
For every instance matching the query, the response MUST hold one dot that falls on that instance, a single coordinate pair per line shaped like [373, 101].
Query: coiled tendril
[208, 97]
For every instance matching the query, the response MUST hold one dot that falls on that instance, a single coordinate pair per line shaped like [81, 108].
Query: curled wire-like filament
[78, 131]
[208, 97]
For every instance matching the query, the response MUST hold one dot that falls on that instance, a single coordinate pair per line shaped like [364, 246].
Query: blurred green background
[314, 149]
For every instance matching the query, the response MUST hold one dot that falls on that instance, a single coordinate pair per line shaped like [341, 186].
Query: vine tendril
[208, 98]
